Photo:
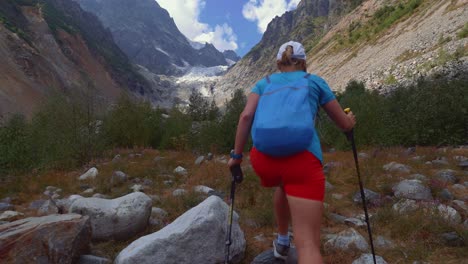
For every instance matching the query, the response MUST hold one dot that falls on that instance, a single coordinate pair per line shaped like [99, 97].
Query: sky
[228, 24]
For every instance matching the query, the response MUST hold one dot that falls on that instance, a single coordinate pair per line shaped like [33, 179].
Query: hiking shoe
[280, 251]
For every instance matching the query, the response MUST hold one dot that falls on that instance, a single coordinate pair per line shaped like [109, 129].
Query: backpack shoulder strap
[318, 107]
[268, 79]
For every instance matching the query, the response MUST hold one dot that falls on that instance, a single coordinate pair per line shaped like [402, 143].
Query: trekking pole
[236, 177]
[350, 136]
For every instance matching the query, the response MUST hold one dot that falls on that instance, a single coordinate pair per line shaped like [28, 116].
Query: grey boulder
[412, 189]
[197, 236]
[117, 219]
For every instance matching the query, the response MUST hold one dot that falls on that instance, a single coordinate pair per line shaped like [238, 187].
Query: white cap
[298, 50]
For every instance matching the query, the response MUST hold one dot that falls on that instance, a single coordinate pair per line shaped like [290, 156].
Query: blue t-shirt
[319, 94]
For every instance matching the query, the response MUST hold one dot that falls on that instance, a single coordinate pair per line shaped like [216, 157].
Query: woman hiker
[299, 177]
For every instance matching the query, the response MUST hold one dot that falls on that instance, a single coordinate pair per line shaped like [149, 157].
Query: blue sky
[227, 24]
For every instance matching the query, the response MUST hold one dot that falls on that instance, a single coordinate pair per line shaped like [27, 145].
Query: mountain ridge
[428, 37]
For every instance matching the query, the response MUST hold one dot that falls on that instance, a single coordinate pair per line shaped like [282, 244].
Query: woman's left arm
[244, 125]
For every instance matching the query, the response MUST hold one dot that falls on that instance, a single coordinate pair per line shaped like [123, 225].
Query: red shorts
[301, 175]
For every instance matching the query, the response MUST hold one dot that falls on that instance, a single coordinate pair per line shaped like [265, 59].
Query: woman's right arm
[344, 121]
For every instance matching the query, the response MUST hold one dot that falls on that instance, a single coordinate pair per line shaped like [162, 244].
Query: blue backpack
[283, 124]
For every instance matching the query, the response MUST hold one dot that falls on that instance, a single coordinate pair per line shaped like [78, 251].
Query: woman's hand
[233, 162]
[352, 118]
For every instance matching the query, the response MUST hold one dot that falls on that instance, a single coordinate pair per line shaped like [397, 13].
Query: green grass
[463, 33]
[384, 18]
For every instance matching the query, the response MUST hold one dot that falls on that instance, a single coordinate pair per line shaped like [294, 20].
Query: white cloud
[186, 15]
[263, 11]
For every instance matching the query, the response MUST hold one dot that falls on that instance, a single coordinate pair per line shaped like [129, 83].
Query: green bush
[431, 112]
[15, 149]
[132, 124]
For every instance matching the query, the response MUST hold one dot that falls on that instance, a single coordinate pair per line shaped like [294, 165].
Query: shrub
[15, 149]
[431, 112]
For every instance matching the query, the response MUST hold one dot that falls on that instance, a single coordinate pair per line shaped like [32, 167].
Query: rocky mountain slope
[382, 43]
[50, 46]
[149, 36]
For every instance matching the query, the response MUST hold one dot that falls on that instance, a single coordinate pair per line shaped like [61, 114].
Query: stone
[363, 155]
[382, 242]
[88, 191]
[418, 176]
[396, 167]
[10, 215]
[452, 239]
[460, 206]
[447, 176]
[337, 196]
[371, 197]
[354, 222]
[179, 242]
[463, 165]
[446, 195]
[369, 259]
[35, 205]
[440, 161]
[90, 174]
[158, 212]
[405, 206]
[412, 189]
[64, 204]
[47, 239]
[180, 170]
[119, 218]
[337, 218]
[118, 177]
[6, 207]
[47, 208]
[202, 189]
[449, 214]
[348, 240]
[137, 188]
[116, 158]
[199, 160]
[179, 192]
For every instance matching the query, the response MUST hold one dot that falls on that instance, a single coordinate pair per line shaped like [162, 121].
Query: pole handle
[236, 173]
[349, 134]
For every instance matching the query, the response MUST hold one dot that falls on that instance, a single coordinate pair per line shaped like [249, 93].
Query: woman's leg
[306, 218]
[281, 211]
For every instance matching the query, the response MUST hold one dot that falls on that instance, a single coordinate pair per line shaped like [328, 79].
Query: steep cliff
[52, 46]
[149, 36]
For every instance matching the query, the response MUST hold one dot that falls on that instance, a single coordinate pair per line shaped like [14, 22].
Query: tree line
[66, 133]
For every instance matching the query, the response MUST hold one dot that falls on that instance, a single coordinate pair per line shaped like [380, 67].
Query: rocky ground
[149, 205]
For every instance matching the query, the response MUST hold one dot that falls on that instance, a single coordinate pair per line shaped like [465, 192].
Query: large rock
[197, 236]
[57, 239]
[412, 189]
[117, 219]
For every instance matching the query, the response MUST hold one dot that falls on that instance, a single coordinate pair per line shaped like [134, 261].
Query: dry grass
[416, 236]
